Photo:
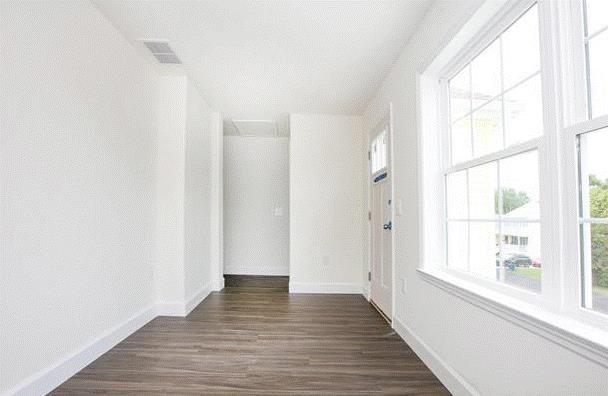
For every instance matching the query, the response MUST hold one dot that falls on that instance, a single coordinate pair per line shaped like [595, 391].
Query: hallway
[254, 337]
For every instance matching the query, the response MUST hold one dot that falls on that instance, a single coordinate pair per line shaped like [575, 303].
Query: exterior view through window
[596, 46]
[593, 165]
[492, 190]
[378, 153]
[594, 218]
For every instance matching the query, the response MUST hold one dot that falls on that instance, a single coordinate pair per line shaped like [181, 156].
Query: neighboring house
[521, 237]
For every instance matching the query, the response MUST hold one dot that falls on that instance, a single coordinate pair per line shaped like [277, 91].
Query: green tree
[511, 199]
[598, 205]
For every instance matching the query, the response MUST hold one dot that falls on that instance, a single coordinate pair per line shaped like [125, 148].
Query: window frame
[502, 21]
[564, 93]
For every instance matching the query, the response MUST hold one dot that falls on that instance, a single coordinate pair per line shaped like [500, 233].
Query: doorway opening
[381, 218]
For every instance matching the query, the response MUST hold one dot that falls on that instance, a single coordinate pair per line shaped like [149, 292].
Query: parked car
[518, 260]
[536, 263]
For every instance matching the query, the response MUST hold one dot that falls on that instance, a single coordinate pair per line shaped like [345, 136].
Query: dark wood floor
[256, 338]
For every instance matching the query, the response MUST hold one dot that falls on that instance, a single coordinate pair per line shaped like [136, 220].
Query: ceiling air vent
[256, 128]
[162, 52]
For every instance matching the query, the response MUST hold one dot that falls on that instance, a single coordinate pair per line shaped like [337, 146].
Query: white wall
[326, 203]
[256, 184]
[492, 355]
[198, 189]
[77, 161]
[185, 188]
[110, 176]
[169, 265]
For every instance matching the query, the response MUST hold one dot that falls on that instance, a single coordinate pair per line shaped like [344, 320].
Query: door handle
[388, 226]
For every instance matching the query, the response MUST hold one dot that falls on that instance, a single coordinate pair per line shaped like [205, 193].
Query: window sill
[587, 341]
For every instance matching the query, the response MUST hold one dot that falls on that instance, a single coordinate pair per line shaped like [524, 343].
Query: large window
[495, 103]
[594, 218]
[592, 144]
[596, 48]
[516, 203]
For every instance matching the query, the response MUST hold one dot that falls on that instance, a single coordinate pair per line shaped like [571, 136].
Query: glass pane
[598, 75]
[382, 150]
[523, 112]
[378, 152]
[461, 140]
[456, 185]
[458, 243]
[520, 253]
[460, 95]
[597, 15]
[482, 191]
[483, 249]
[599, 267]
[487, 128]
[520, 186]
[520, 49]
[594, 173]
[485, 74]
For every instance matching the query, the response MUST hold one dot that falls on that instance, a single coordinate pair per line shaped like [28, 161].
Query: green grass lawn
[529, 272]
[600, 290]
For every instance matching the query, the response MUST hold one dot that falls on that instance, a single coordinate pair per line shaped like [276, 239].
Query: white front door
[381, 266]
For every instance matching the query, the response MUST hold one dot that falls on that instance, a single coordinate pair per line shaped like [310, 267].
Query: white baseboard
[178, 308]
[197, 298]
[329, 288]
[48, 379]
[365, 291]
[218, 284]
[455, 383]
[281, 270]
[170, 308]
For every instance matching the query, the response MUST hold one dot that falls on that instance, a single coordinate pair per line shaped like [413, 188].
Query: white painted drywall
[217, 202]
[326, 203]
[269, 58]
[256, 205]
[110, 176]
[77, 162]
[169, 265]
[198, 189]
[494, 356]
[184, 192]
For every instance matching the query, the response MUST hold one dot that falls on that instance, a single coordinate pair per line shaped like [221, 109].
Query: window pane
[594, 236]
[457, 195]
[487, 128]
[594, 173]
[460, 95]
[597, 15]
[483, 249]
[482, 190]
[599, 267]
[458, 245]
[378, 152]
[520, 49]
[523, 112]
[485, 74]
[519, 186]
[520, 253]
[598, 74]
[461, 140]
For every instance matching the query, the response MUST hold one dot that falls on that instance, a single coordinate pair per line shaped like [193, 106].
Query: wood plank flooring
[254, 338]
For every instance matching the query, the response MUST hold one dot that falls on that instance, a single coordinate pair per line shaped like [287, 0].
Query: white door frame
[391, 168]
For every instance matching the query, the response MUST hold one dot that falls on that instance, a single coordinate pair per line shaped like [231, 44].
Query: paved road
[600, 301]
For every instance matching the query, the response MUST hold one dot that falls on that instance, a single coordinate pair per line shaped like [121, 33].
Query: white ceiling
[266, 59]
